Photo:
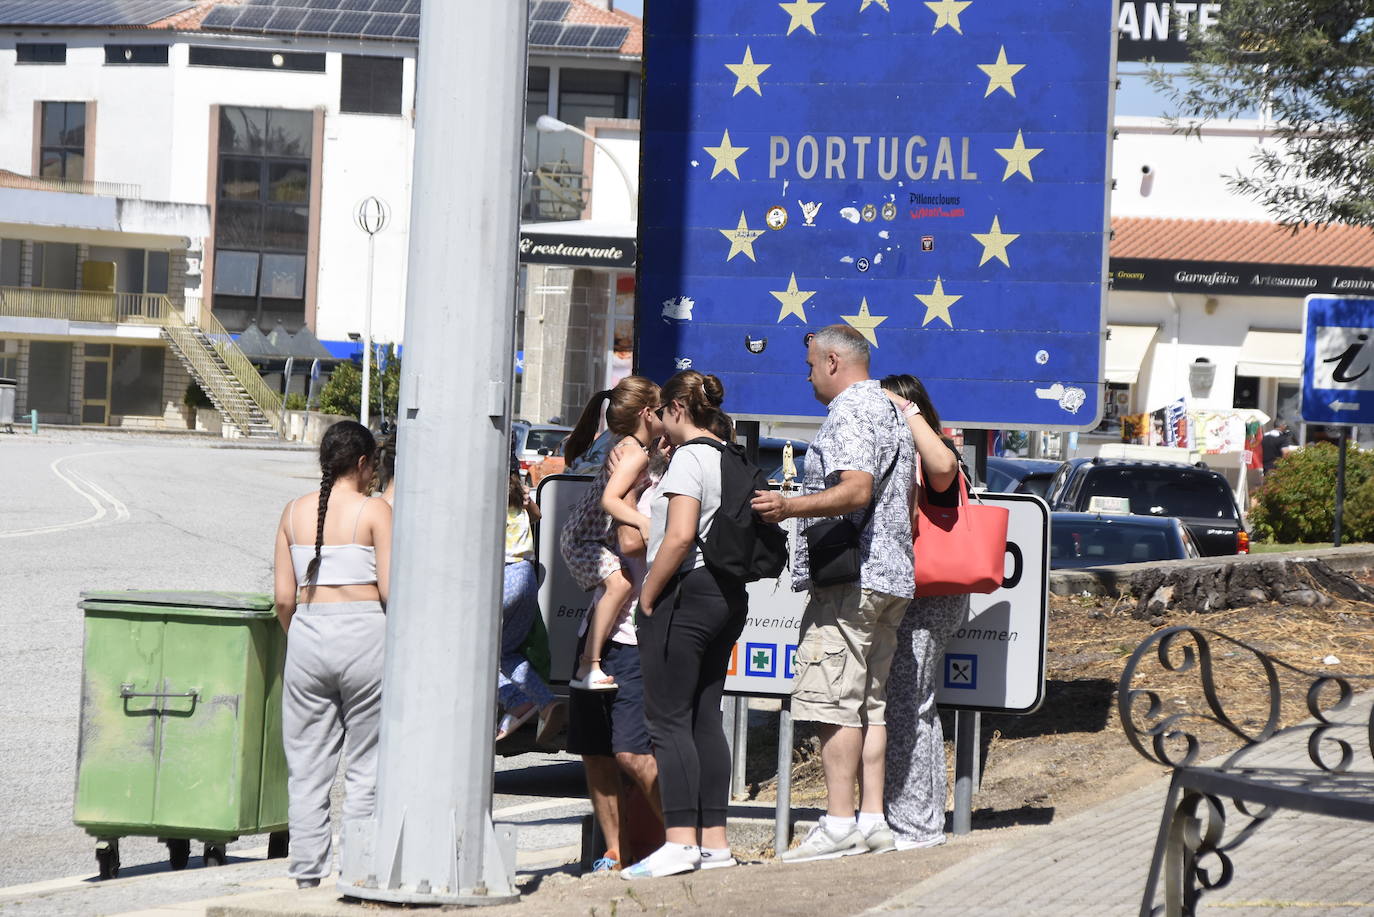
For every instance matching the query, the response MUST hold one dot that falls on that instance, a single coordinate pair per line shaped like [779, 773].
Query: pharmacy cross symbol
[760, 659]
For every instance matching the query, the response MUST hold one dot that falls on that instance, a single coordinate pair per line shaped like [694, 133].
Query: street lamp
[548, 124]
[372, 216]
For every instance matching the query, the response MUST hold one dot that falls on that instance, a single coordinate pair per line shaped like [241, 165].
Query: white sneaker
[717, 859]
[668, 860]
[879, 838]
[820, 844]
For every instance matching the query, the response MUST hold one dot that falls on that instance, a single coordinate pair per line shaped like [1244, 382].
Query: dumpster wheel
[107, 857]
[214, 855]
[278, 844]
[178, 852]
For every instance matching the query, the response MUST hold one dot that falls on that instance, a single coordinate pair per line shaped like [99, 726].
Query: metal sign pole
[740, 747]
[431, 839]
[968, 724]
[782, 816]
[1340, 483]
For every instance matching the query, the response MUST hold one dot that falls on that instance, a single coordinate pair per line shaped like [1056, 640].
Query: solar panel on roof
[89, 12]
[253, 17]
[576, 36]
[382, 25]
[323, 4]
[549, 10]
[410, 28]
[608, 37]
[357, 6]
[286, 19]
[412, 6]
[318, 22]
[221, 17]
[388, 6]
[350, 23]
[545, 33]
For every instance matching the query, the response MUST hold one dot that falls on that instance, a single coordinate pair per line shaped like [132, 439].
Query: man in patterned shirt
[862, 457]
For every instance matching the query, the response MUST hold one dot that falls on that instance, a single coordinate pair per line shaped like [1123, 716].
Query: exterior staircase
[225, 375]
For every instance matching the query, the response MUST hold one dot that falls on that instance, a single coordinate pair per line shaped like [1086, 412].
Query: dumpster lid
[150, 599]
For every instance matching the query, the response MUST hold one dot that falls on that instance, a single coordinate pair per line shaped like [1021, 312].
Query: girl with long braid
[330, 599]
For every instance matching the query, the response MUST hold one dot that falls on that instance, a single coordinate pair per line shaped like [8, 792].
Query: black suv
[1198, 496]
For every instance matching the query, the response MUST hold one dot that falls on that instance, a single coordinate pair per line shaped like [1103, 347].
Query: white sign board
[995, 662]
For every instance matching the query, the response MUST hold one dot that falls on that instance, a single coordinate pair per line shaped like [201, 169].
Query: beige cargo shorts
[848, 639]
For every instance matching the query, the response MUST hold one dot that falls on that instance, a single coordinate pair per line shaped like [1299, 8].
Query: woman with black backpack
[684, 664]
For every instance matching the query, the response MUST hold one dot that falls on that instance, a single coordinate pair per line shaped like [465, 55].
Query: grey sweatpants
[331, 703]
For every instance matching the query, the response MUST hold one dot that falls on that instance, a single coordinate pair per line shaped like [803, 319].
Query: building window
[297, 61]
[62, 149]
[11, 257]
[262, 216]
[371, 85]
[50, 377]
[54, 265]
[136, 381]
[47, 52]
[9, 359]
[155, 55]
[136, 270]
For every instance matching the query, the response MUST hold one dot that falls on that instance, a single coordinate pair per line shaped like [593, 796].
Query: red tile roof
[190, 20]
[1253, 241]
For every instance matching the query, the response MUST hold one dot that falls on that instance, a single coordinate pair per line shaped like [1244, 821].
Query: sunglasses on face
[659, 413]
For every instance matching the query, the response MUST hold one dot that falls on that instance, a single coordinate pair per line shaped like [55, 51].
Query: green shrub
[1297, 502]
[342, 394]
[295, 401]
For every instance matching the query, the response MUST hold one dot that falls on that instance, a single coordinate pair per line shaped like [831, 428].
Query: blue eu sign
[1338, 355]
[933, 174]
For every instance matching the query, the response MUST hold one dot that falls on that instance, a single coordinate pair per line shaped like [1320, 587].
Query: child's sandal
[593, 679]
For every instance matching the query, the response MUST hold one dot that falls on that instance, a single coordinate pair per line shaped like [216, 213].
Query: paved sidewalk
[1095, 863]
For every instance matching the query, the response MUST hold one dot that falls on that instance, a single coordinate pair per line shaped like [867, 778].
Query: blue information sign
[934, 174]
[1338, 360]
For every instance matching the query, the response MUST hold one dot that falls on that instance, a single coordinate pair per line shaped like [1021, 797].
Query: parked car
[1020, 475]
[1199, 496]
[533, 441]
[1101, 539]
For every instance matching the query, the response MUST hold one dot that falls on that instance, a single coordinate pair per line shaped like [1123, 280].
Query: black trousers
[684, 650]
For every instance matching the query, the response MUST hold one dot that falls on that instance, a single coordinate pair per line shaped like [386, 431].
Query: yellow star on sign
[868, 3]
[1018, 157]
[947, 13]
[725, 156]
[937, 303]
[1000, 74]
[802, 13]
[865, 323]
[747, 73]
[741, 238]
[995, 243]
[792, 300]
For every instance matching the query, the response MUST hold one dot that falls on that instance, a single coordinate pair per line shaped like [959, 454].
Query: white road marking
[92, 495]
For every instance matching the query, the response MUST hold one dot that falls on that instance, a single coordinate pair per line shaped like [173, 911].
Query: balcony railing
[84, 305]
[72, 186]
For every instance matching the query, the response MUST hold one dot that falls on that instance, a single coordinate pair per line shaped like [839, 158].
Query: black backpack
[740, 545]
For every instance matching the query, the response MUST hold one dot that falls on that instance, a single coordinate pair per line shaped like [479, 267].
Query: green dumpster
[180, 722]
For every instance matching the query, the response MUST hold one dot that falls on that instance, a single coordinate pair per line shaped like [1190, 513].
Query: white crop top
[350, 564]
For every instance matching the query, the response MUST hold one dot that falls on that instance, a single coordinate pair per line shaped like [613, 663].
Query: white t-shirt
[693, 472]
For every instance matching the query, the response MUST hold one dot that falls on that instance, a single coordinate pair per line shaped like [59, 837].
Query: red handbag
[959, 549]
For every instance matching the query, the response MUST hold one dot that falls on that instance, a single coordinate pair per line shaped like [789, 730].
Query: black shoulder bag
[833, 545]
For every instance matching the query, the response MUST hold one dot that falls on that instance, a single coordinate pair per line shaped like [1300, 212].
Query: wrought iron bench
[1319, 766]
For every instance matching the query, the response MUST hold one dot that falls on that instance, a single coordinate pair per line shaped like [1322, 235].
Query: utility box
[7, 394]
[180, 722]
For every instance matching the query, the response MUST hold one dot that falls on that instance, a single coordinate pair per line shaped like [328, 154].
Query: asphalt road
[90, 510]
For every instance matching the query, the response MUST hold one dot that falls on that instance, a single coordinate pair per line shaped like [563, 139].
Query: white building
[208, 157]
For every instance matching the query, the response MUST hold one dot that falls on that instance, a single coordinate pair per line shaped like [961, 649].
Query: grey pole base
[497, 885]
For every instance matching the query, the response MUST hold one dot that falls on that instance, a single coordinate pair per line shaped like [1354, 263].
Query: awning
[1126, 346]
[1271, 354]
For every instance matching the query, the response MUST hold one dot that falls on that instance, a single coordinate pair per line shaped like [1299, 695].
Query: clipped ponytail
[580, 440]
